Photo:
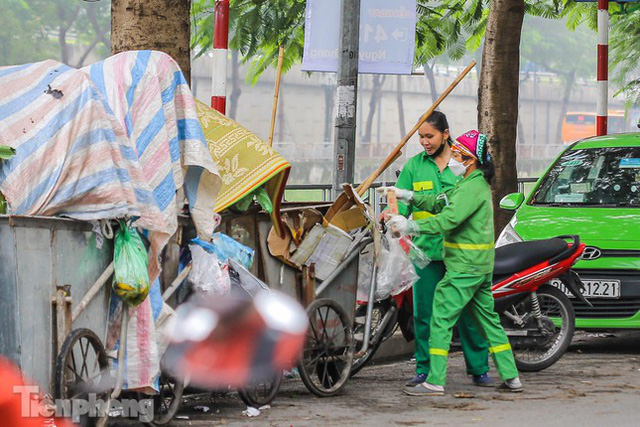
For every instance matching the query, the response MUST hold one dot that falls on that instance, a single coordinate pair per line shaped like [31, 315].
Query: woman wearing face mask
[428, 173]
[464, 215]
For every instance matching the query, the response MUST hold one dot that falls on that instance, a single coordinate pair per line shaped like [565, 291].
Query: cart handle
[92, 292]
[177, 282]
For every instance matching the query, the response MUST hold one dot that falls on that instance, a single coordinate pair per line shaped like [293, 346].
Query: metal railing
[325, 191]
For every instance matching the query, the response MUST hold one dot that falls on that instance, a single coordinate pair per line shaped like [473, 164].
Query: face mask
[457, 167]
[439, 150]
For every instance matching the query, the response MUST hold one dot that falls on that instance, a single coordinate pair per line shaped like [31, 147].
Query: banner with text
[387, 36]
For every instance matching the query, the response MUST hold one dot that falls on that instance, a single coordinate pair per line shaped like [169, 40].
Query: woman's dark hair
[438, 120]
[486, 166]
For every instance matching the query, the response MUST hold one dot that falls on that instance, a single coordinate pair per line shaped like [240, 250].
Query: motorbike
[538, 318]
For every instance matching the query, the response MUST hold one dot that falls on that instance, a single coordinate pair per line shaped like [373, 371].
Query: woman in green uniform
[464, 216]
[428, 173]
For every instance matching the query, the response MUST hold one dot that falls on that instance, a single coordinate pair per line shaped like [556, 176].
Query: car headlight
[508, 235]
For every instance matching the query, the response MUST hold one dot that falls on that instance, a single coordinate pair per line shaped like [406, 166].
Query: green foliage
[555, 48]
[450, 28]
[33, 30]
[257, 29]
[22, 38]
[625, 52]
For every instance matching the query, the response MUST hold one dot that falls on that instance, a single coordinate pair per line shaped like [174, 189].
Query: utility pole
[603, 67]
[220, 46]
[347, 91]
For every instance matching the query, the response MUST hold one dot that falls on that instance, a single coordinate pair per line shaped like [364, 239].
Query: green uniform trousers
[455, 292]
[474, 347]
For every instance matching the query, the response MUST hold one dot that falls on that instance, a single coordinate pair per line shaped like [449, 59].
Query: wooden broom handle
[274, 109]
[362, 188]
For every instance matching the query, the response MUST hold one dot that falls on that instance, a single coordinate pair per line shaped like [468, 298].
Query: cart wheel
[328, 352]
[167, 402]
[80, 365]
[262, 393]
[81, 368]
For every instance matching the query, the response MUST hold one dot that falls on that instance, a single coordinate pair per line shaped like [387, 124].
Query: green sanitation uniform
[421, 174]
[465, 219]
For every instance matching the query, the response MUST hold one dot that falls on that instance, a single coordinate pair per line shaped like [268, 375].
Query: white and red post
[603, 67]
[220, 48]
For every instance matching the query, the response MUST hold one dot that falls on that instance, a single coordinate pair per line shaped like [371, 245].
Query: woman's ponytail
[486, 166]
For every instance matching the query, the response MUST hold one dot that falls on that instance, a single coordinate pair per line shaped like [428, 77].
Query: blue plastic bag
[224, 247]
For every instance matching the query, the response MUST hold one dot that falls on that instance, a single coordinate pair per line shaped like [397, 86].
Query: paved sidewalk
[596, 384]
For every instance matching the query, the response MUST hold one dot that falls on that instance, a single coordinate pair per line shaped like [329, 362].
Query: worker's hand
[402, 226]
[405, 196]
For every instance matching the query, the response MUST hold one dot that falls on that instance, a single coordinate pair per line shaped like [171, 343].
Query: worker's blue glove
[403, 226]
[404, 196]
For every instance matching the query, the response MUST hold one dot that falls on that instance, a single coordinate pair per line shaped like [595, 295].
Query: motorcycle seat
[517, 257]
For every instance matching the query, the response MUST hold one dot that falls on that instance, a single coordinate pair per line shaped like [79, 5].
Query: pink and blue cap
[471, 143]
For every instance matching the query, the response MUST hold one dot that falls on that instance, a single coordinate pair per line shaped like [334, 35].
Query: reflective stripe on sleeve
[421, 215]
[470, 246]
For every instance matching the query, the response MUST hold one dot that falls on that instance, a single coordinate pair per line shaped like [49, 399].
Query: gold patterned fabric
[245, 162]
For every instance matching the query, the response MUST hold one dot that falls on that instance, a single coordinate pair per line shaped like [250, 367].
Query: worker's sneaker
[513, 385]
[483, 380]
[424, 389]
[418, 379]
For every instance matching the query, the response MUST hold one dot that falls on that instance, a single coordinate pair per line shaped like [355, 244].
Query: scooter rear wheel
[536, 353]
[378, 336]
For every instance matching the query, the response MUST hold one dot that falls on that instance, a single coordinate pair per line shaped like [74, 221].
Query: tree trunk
[65, 25]
[155, 25]
[498, 96]
[570, 79]
[403, 129]
[431, 78]
[235, 85]
[373, 103]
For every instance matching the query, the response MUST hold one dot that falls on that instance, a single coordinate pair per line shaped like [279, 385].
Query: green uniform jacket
[421, 174]
[466, 223]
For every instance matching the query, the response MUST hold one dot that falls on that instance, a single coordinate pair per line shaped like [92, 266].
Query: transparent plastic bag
[206, 274]
[416, 255]
[130, 260]
[396, 272]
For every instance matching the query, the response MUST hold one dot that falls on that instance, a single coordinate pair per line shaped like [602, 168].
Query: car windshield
[592, 177]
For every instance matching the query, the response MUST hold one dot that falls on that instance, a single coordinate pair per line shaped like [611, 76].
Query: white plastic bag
[206, 274]
[396, 272]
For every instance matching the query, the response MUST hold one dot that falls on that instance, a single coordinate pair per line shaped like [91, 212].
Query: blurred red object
[18, 407]
[220, 342]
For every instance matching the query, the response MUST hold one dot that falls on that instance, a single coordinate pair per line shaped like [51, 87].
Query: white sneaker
[424, 389]
[513, 385]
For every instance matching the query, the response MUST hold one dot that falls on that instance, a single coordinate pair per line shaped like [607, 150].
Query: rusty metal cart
[55, 306]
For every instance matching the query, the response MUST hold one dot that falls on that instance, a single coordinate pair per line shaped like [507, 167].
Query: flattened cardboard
[278, 246]
[352, 218]
[349, 220]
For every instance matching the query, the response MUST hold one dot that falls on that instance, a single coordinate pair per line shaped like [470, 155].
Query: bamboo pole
[274, 109]
[362, 188]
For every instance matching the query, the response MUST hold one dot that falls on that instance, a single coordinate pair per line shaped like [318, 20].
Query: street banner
[387, 36]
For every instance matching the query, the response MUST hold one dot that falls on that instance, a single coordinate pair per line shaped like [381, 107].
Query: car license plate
[593, 288]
